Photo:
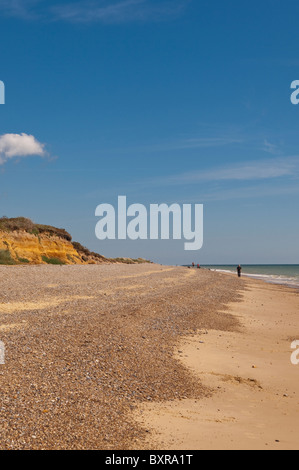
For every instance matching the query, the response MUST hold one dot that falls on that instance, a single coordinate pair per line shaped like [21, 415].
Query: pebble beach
[86, 346]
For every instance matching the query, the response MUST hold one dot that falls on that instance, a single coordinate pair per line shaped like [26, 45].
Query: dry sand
[255, 387]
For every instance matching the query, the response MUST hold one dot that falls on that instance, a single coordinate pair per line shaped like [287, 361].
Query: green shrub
[85, 252]
[23, 260]
[124, 260]
[21, 223]
[52, 260]
[5, 258]
[35, 232]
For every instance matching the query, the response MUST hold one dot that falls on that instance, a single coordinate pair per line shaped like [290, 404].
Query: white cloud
[19, 145]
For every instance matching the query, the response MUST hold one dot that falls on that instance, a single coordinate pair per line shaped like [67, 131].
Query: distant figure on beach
[193, 264]
[239, 270]
[198, 266]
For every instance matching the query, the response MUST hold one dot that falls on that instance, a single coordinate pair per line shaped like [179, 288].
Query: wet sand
[254, 386]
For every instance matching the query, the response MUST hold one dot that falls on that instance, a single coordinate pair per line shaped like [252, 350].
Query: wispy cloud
[177, 145]
[256, 191]
[204, 142]
[19, 145]
[270, 148]
[24, 9]
[117, 12]
[254, 170]
[92, 11]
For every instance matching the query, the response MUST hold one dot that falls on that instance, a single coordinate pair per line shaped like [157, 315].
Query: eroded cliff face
[25, 242]
[24, 248]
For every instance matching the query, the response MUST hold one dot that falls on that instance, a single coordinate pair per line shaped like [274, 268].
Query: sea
[284, 274]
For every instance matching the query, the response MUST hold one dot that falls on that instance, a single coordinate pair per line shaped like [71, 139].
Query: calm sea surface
[277, 274]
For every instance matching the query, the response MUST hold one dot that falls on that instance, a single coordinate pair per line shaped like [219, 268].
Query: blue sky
[162, 101]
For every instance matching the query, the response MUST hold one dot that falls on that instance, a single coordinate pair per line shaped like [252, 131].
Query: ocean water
[284, 274]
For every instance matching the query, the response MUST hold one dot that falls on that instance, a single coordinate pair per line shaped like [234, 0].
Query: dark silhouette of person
[239, 270]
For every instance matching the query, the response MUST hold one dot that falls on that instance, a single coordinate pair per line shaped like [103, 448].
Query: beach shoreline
[285, 275]
[254, 386]
[88, 348]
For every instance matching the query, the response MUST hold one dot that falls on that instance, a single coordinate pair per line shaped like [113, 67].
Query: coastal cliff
[24, 242]
[21, 247]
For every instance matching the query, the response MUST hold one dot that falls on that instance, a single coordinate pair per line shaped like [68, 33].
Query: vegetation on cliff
[24, 242]
[26, 225]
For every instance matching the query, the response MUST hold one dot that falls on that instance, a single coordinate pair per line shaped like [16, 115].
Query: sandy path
[255, 397]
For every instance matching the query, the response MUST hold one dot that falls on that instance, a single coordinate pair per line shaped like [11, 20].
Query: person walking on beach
[239, 270]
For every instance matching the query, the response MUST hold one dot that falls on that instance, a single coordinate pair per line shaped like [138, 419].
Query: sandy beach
[254, 386]
[145, 357]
